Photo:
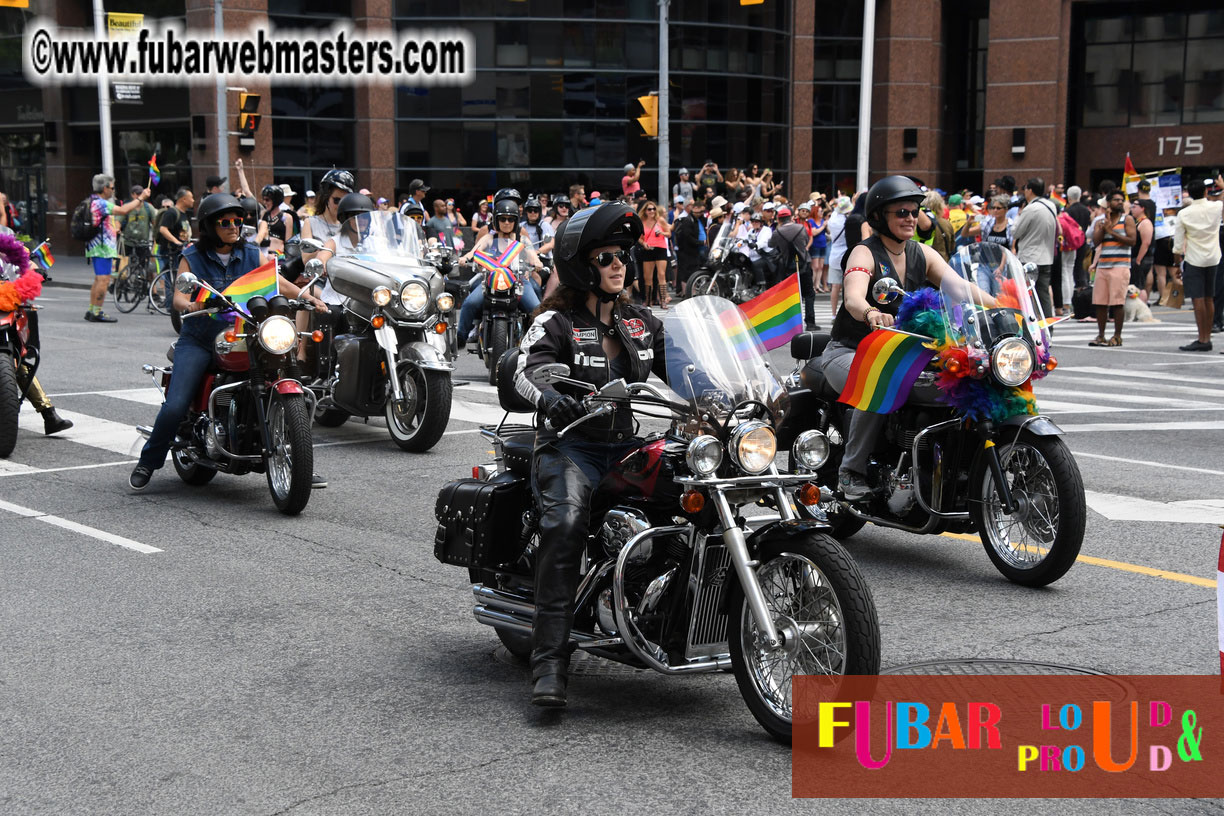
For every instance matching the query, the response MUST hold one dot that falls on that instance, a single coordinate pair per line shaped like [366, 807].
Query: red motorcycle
[249, 415]
[677, 577]
[19, 357]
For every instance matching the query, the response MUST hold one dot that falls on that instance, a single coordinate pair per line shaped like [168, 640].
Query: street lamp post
[864, 134]
[664, 119]
[104, 100]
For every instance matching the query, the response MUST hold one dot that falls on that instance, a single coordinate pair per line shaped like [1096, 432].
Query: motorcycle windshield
[380, 234]
[715, 359]
[722, 243]
[990, 298]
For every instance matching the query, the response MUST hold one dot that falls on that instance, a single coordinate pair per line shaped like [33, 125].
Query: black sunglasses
[506, 218]
[606, 258]
[337, 199]
[649, 209]
[904, 213]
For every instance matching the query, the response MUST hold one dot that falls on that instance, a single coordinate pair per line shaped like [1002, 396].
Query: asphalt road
[327, 664]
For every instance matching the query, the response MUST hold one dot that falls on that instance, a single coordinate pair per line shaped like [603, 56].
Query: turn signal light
[316, 336]
[692, 501]
[440, 327]
[809, 495]
[1051, 364]
[378, 321]
[231, 336]
[952, 366]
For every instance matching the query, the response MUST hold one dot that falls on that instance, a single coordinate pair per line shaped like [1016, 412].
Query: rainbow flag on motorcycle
[886, 365]
[42, 255]
[777, 313]
[500, 266]
[261, 282]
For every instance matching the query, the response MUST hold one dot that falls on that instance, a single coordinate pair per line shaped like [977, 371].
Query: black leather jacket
[575, 338]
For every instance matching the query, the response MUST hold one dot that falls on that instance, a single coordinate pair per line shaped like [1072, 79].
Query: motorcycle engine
[618, 527]
[900, 492]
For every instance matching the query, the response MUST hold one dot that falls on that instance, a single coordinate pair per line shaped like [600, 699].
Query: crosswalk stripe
[87, 430]
[1142, 375]
[1165, 402]
[1148, 427]
[1117, 383]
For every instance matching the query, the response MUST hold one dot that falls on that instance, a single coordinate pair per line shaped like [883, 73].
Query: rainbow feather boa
[28, 285]
[922, 312]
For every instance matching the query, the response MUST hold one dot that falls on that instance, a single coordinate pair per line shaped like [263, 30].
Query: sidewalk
[70, 272]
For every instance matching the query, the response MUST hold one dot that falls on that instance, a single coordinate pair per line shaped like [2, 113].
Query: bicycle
[140, 280]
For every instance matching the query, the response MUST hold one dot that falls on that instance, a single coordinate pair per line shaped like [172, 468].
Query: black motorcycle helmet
[250, 208]
[273, 192]
[533, 206]
[889, 190]
[507, 193]
[412, 209]
[507, 206]
[212, 208]
[610, 224]
[354, 204]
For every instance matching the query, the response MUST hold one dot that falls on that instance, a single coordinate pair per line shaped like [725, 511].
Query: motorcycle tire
[191, 472]
[10, 406]
[162, 286]
[703, 284]
[289, 472]
[129, 289]
[499, 341]
[332, 417]
[430, 405]
[1039, 468]
[832, 582]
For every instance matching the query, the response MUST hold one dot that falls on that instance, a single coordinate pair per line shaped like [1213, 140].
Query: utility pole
[104, 100]
[664, 121]
[222, 115]
[864, 134]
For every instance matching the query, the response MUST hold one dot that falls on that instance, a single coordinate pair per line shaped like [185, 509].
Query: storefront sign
[1179, 145]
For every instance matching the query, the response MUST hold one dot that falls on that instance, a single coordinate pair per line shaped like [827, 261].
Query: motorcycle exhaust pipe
[503, 601]
[144, 430]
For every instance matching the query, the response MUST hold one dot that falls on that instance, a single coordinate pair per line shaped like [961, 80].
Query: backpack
[1072, 234]
[82, 226]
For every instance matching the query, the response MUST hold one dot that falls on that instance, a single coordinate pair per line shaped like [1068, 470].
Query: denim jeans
[191, 361]
[529, 302]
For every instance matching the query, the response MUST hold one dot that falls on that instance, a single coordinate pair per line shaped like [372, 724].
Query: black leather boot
[551, 678]
[54, 423]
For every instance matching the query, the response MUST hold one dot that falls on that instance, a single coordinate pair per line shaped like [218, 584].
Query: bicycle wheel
[163, 285]
[130, 288]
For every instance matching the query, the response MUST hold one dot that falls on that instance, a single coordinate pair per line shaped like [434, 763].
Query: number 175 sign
[1179, 145]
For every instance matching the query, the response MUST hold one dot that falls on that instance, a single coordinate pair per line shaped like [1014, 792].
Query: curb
[57, 284]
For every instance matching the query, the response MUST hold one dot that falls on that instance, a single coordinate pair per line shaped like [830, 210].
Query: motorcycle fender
[1037, 426]
[287, 387]
[425, 355]
[777, 532]
[7, 318]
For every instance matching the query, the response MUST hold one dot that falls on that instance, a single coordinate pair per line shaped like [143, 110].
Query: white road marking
[1056, 407]
[92, 532]
[1120, 382]
[145, 396]
[1147, 464]
[1146, 427]
[1145, 399]
[1129, 508]
[1143, 375]
[8, 468]
[87, 430]
[36, 471]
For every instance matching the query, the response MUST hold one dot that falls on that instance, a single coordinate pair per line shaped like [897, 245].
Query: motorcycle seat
[812, 377]
[517, 451]
[509, 397]
[806, 345]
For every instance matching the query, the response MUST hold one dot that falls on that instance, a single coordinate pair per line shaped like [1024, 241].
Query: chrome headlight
[716, 253]
[810, 451]
[414, 297]
[753, 446]
[1012, 361]
[445, 301]
[704, 455]
[381, 296]
[277, 334]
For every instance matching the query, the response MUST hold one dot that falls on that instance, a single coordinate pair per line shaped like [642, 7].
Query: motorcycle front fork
[737, 546]
[996, 467]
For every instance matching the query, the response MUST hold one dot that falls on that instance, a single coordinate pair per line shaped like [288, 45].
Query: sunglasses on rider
[906, 213]
[417, 218]
[337, 199]
[226, 223]
[506, 218]
[606, 258]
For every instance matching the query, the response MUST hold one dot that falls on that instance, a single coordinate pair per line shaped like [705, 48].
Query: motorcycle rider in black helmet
[278, 224]
[220, 257]
[505, 231]
[590, 325]
[892, 207]
[347, 238]
[325, 223]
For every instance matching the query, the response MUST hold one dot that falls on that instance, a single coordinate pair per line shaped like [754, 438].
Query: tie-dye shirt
[106, 243]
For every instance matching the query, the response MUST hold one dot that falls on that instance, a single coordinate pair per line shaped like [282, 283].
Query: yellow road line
[1120, 565]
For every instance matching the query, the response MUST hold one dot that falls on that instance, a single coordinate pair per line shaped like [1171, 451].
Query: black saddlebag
[480, 523]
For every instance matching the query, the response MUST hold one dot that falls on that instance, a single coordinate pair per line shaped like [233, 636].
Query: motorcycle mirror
[1030, 269]
[549, 372]
[314, 267]
[311, 245]
[187, 283]
[886, 290]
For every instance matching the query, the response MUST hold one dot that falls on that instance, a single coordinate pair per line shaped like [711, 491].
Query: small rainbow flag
[261, 282]
[776, 313]
[1059, 200]
[154, 173]
[42, 255]
[885, 367]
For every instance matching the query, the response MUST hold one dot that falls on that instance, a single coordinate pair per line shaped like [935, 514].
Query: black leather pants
[564, 495]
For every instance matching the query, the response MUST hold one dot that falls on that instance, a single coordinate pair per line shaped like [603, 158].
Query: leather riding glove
[562, 410]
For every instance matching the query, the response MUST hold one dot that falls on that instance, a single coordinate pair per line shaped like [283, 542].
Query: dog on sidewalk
[1135, 309]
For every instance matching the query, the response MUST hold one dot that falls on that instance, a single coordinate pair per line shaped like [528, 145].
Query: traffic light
[248, 116]
[650, 118]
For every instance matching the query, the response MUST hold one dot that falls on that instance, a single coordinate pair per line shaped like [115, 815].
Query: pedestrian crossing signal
[248, 123]
[650, 118]
[248, 113]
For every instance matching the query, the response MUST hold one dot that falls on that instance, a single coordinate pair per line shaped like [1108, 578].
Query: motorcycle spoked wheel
[1038, 543]
[821, 605]
[427, 397]
[191, 471]
[10, 404]
[289, 465]
[703, 284]
[843, 523]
